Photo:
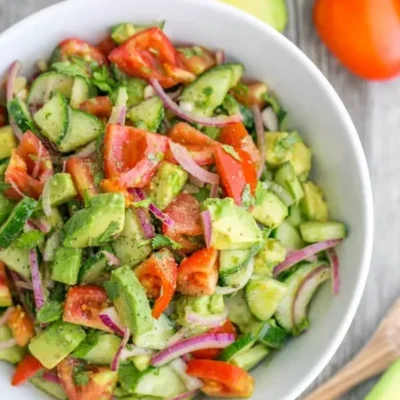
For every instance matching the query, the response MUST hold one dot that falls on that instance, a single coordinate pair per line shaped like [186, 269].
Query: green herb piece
[50, 312]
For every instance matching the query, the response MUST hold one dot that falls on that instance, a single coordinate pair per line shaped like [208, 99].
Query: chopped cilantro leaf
[160, 241]
[81, 377]
[103, 80]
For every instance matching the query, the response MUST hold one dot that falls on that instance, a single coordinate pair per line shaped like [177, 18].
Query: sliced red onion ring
[335, 267]
[143, 217]
[187, 395]
[29, 226]
[211, 321]
[195, 181]
[206, 341]
[183, 157]
[7, 344]
[180, 335]
[111, 258]
[4, 318]
[260, 138]
[214, 191]
[176, 94]
[41, 224]
[118, 115]
[110, 318]
[207, 227]
[86, 151]
[46, 198]
[207, 121]
[49, 376]
[296, 256]
[36, 279]
[306, 291]
[15, 187]
[180, 367]
[117, 358]
[64, 166]
[135, 351]
[270, 120]
[219, 57]
[23, 285]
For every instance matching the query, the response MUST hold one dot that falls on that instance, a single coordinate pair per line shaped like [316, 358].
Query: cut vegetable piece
[21, 115]
[148, 114]
[286, 177]
[8, 142]
[239, 346]
[251, 357]
[289, 236]
[80, 91]
[272, 335]
[16, 259]
[234, 282]
[231, 261]
[315, 231]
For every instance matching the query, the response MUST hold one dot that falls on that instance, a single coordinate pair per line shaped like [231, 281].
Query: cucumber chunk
[238, 310]
[22, 117]
[240, 345]
[80, 91]
[148, 114]
[251, 357]
[53, 118]
[272, 335]
[51, 388]
[286, 177]
[231, 261]
[316, 231]
[289, 236]
[239, 278]
[16, 221]
[263, 297]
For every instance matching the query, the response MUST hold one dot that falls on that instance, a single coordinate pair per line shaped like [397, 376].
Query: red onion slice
[270, 120]
[7, 344]
[180, 367]
[206, 341]
[195, 181]
[214, 191]
[187, 395]
[46, 198]
[143, 215]
[207, 227]
[260, 138]
[111, 258]
[117, 358]
[211, 321]
[118, 115]
[219, 57]
[207, 121]
[86, 151]
[36, 279]
[183, 157]
[23, 285]
[296, 256]
[180, 335]
[4, 318]
[135, 351]
[41, 224]
[110, 318]
[335, 267]
[49, 376]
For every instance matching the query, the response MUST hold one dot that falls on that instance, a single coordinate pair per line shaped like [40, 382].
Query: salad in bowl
[160, 235]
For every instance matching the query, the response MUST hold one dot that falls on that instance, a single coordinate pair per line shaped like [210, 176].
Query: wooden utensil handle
[372, 360]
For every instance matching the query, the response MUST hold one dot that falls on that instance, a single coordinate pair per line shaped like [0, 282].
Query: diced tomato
[107, 45]
[158, 276]
[236, 135]
[21, 326]
[150, 54]
[26, 369]
[5, 294]
[83, 305]
[100, 106]
[100, 384]
[3, 116]
[29, 168]
[221, 379]
[82, 171]
[79, 48]
[198, 274]
[185, 212]
[200, 146]
[197, 59]
[210, 354]
[131, 156]
[251, 94]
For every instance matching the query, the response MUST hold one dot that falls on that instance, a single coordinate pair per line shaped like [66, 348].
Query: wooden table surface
[375, 110]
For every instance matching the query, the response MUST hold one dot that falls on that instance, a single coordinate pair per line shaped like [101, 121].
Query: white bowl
[314, 109]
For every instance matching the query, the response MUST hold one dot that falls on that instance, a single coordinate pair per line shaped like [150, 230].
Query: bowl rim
[354, 141]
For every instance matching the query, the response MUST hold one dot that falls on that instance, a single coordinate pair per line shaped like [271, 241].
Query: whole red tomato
[363, 34]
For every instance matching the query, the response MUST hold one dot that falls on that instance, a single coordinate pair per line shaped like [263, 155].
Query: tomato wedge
[221, 379]
[150, 54]
[83, 305]
[185, 212]
[100, 381]
[82, 173]
[26, 369]
[158, 276]
[198, 274]
[131, 156]
[21, 326]
[210, 354]
[29, 168]
[200, 146]
[79, 48]
[107, 45]
[196, 59]
[5, 294]
[100, 106]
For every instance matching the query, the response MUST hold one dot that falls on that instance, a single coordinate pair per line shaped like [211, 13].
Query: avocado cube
[131, 301]
[62, 189]
[272, 253]
[67, 262]
[167, 184]
[313, 205]
[56, 342]
[13, 354]
[16, 259]
[97, 224]
[8, 141]
[232, 226]
[6, 206]
[269, 209]
[122, 32]
[276, 153]
[287, 178]
[300, 158]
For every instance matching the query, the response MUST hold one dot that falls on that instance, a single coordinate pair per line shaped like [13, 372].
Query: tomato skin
[185, 211]
[83, 305]
[100, 106]
[197, 63]
[198, 274]
[82, 173]
[80, 48]
[367, 45]
[26, 369]
[29, 168]
[158, 276]
[107, 45]
[150, 54]
[5, 294]
[221, 379]
[21, 326]
[100, 386]
[210, 354]
[251, 94]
